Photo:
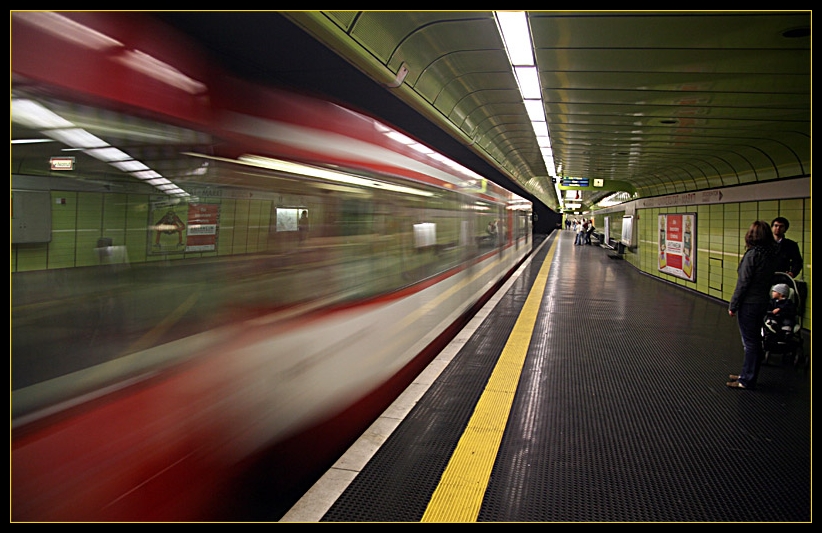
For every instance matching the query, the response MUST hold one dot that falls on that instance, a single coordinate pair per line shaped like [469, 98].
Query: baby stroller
[783, 340]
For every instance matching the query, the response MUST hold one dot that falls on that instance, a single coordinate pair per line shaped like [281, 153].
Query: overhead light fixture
[513, 26]
[300, 169]
[31, 141]
[534, 110]
[36, 116]
[129, 166]
[108, 154]
[540, 128]
[77, 138]
[528, 79]
[146, 175]
[516, 36]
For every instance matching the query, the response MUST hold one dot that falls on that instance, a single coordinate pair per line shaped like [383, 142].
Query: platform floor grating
[621, 413]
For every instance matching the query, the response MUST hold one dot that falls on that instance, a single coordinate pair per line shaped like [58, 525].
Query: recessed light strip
[516, 36]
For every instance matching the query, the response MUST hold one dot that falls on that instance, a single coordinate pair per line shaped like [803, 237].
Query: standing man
[790, 259]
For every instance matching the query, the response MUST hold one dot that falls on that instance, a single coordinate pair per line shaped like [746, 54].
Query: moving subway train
[212, 281]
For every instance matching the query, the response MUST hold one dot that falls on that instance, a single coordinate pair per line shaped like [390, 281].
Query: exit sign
[62, 163]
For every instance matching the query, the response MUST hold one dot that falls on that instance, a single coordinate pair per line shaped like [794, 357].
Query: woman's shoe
[733, 377]
[735, 385]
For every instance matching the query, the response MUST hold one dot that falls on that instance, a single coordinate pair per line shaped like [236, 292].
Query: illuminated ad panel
[677, 245]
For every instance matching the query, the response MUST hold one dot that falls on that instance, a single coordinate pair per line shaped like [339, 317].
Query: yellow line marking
[459, 495]
[150, 337]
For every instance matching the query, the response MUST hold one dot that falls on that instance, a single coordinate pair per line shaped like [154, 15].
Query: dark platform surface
[621, 413]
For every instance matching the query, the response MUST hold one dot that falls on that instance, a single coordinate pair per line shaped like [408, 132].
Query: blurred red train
[216, 286]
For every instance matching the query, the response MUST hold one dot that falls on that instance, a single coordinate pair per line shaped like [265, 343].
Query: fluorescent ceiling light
[31, 141]
[109, 154]
[77, 138]
[528, 80]
[540, 128]
[516, 36]
[146, 175]
[129, 166]
[30, 113]
[34, 115]
[513, 25]
[535, 111]
[324, 174]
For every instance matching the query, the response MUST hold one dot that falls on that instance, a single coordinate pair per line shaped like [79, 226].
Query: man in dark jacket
[790, 258]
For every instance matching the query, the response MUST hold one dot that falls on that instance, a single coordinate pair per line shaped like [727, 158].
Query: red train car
[214, 281]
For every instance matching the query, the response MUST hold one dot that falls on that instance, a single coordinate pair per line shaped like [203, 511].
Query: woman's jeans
[750, 317]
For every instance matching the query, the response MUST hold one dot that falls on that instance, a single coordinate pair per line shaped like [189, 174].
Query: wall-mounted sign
[61, 163]
[599, 182]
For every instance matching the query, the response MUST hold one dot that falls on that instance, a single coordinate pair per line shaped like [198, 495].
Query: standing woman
[749, 302]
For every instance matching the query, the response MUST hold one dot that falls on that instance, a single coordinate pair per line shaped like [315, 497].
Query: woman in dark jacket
[749, 302]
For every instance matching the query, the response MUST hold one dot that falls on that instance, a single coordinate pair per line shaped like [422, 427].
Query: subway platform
[584, 391]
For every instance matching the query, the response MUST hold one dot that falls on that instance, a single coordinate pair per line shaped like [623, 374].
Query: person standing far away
[589, 231]
[302, 226]
[751, 298]
[790, 258]
[579, 239]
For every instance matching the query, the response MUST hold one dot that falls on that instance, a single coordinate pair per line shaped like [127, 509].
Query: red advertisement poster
[677, 245]
[203, 221]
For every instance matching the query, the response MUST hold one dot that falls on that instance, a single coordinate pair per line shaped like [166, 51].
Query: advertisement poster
[167, 227]
[180, 227]
[677, 245]
[201, 234]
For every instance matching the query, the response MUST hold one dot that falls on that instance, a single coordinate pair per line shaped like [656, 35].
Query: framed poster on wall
[607, 231]
[627, 235]
[677, 245]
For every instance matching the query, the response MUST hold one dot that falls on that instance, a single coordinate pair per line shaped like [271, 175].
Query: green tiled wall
[721, 242]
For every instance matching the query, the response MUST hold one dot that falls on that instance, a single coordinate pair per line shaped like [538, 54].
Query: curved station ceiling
[636, 104]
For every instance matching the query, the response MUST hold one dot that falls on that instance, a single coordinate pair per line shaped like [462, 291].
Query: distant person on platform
[302, 226]
[790, 258]
[589, 231]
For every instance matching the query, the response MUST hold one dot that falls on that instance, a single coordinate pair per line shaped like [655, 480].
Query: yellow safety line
[150, 337]
[459, 495]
